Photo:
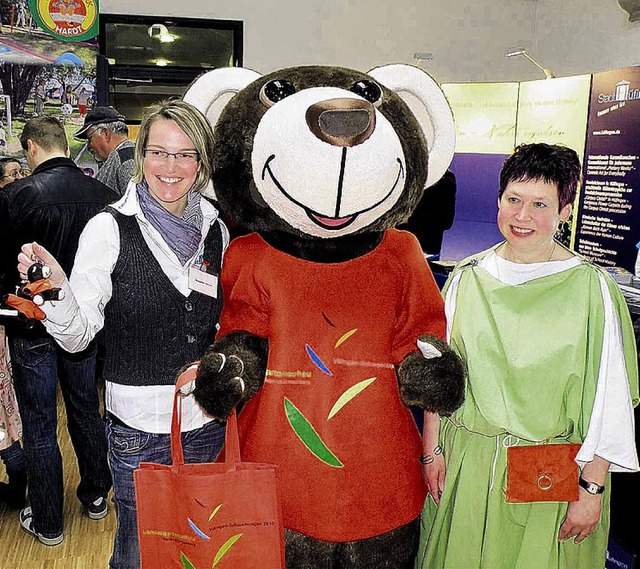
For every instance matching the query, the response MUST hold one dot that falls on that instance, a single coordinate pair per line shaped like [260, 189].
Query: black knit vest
[151, 329]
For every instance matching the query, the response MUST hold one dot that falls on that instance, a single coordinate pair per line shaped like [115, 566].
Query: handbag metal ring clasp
[544, 482]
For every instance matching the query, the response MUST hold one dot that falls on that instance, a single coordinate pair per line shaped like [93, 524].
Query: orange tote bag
[224, 515]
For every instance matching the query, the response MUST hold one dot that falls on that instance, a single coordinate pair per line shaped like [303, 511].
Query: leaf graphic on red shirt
[349, 394]
[308, 435]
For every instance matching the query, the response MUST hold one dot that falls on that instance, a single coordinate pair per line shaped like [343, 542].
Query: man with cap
[106, 134]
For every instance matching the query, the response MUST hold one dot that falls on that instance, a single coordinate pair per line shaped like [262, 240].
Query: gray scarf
[181, 234]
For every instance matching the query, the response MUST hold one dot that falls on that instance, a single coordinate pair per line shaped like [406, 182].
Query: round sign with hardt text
[68, 20]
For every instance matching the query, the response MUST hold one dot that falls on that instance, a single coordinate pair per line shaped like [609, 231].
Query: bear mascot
[332, 322]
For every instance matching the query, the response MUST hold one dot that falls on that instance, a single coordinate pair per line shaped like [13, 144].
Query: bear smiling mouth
[331, 223]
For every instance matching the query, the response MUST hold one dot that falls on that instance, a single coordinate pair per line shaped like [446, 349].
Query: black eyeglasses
[183, 158]
[94, 131]
[14, 175]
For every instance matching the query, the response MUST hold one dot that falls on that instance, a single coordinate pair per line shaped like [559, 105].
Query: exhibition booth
[598, 115]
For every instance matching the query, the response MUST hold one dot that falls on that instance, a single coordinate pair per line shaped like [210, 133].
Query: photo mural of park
[47, 66]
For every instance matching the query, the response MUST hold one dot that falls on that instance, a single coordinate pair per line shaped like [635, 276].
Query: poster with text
[555, 111]
[609, 206]
[42, 73]
[485, 118]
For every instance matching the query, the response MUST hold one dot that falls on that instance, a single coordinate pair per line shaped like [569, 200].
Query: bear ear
[211, 91]
[430, 107]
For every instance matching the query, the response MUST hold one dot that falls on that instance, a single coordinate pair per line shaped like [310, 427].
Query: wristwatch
[591, 487]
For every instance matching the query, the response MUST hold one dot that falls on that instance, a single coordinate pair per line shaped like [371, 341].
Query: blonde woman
[135, 276]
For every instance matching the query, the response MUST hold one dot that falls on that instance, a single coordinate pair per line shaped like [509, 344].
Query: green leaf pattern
[349, 394]
[226, 546]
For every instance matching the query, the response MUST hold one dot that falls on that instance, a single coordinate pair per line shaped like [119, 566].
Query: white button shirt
[75, 321]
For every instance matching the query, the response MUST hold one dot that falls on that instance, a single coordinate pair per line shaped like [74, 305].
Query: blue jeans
[13, 457]
[127, 449]
[38, 364]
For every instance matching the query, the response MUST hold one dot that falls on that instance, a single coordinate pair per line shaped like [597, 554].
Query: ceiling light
[523, 52]
[160, 32]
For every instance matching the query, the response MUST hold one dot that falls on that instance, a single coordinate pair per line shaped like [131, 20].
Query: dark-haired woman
[551, 359]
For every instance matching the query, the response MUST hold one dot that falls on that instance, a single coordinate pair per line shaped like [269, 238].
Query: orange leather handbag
[222, 515]
[542, 473]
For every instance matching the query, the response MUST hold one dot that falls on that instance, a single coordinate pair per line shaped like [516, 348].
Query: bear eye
[368, 90]
[276, 90]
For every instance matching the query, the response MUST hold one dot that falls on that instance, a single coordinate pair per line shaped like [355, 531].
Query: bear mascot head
[332, 322]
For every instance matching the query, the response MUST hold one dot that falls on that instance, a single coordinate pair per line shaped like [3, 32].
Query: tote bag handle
[232, 440]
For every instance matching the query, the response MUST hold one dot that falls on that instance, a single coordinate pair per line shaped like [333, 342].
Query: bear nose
[342, 122]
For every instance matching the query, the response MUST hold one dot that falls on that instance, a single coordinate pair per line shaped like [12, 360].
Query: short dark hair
[551, 163]
[47, 132]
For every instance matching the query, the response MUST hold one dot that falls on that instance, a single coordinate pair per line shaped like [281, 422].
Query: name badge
[203, 282]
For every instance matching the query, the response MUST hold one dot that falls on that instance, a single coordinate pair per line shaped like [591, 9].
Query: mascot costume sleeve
[332, 322]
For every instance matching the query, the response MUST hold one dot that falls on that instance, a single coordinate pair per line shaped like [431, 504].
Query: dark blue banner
[609, 206]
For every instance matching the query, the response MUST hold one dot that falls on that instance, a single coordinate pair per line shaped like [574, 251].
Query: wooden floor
[87, 543]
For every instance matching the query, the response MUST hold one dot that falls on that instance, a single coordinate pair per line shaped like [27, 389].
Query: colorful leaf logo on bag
[308, 435]
[349, 394]
[195, 528]
[185, 562]
[226, 546]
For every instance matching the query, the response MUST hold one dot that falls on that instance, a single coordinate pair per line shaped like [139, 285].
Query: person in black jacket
[434, 214]
[52, 206]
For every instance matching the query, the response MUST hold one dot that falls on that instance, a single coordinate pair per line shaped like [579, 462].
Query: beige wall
[468, 38]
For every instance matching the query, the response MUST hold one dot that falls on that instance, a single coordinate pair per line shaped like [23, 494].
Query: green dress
[533, 356]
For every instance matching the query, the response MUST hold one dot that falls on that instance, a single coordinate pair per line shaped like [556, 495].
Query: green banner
[554, 111]
[67, 20]
[485, 116]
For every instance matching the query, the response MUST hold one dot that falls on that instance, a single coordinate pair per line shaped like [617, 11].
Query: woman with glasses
[10, 170]
[147, 272]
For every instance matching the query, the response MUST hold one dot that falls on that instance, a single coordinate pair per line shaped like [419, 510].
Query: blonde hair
[192, 122]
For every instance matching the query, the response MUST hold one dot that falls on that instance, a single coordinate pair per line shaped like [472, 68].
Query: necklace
[505, 253]
[553, 250]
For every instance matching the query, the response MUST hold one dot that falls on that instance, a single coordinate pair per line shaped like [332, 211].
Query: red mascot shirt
[330, 414]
